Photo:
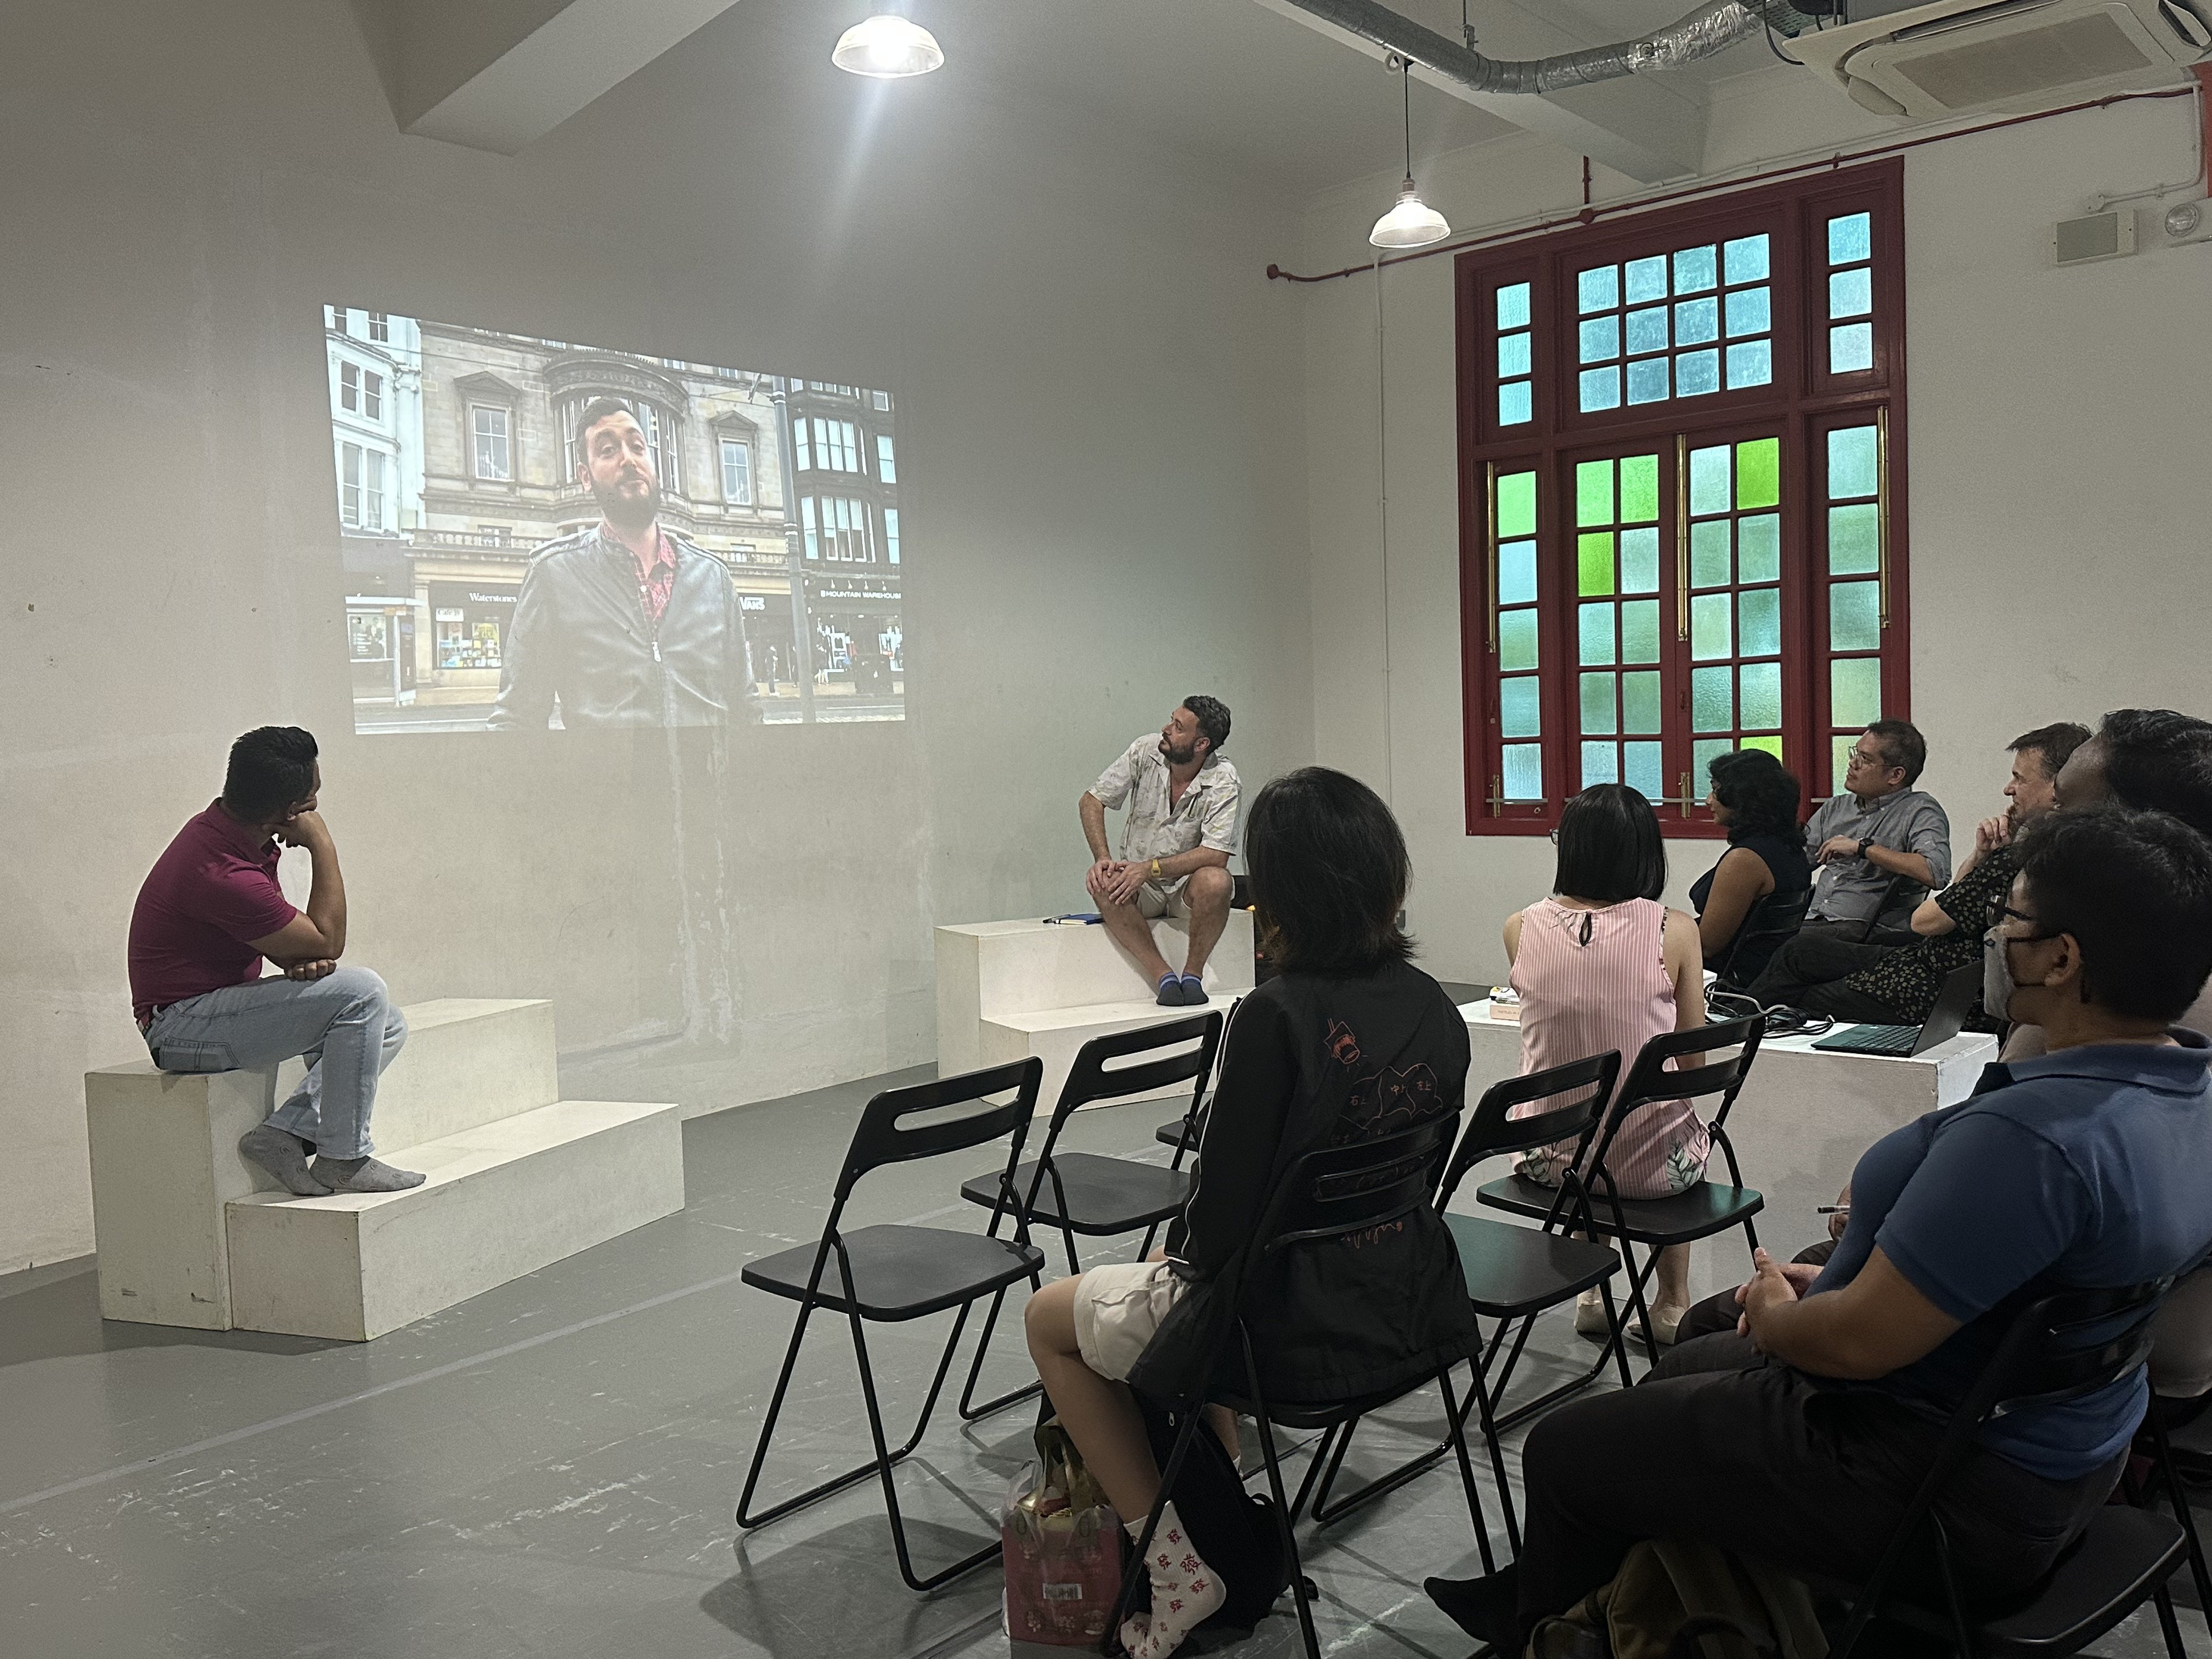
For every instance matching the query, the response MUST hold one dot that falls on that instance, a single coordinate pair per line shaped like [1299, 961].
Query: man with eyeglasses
[1878, 843]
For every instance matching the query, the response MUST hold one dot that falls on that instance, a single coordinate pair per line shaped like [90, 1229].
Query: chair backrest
[1334, 1191]
[882, 1137]
[1774, 921]
[2066, 1345]
[1650, 1081]
[1902, 890]
[1491, 1133]
[1090, 1080]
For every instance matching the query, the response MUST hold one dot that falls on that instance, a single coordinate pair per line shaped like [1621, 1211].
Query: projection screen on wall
[536, 534]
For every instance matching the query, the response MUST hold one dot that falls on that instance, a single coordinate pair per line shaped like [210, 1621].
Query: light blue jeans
[345, 1023]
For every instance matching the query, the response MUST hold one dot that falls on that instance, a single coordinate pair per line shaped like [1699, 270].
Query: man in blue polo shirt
[1801, 1439]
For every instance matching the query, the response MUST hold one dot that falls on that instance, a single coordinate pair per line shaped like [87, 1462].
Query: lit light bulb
[887, 47]
[1412, 223]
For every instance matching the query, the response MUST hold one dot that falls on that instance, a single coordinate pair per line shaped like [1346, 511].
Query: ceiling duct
[1711, 29]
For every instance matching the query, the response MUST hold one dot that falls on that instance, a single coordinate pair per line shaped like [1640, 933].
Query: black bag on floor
[1234, 1529]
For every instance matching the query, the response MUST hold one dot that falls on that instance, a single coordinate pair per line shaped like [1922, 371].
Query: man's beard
[1176, 756]
[627, 513]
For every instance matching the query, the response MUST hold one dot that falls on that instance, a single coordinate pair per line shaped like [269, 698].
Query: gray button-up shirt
[1910, 821]
[1205, 817]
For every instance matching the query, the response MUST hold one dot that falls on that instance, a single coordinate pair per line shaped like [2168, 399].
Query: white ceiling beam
[1639, 125]
[495, 74]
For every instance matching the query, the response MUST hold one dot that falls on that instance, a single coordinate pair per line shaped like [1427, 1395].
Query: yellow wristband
[1156, 869]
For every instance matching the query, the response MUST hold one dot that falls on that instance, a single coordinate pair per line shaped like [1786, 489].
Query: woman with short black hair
[1349, 1043]
[1755, 798]
[1602, 965]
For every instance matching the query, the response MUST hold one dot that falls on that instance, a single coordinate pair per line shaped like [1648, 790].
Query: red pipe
[2202, 91]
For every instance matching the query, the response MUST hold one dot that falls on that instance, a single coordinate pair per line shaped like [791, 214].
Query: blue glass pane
[1748, 313]
[1639, 631]
[1850, 348]
[1639, 703]
[1713, 480]
[1851, 293]
[1647, 380]
[1520, 711]
[1759, 622]
[1524, 771]
[1702, 752]
[1708, 553]
[1855, 617]
[1598, 290]
[1751, 363]
[1854, 539]
[1516, 639]
[1695, 269]
[1598, 715]
[1696, 372]
[1758, 548]
[1646, 279]
[1642, 769]
[1516, 573]
[1512, 356]
[1513, 306]
[1598, 339]
[1595, 625]
[1851, 239]
[1712, 700]
[1759, 690]
[1697, 321]
[1647, 330]
[1639, 561]
[1747, 259]
[1854, 693]
[1601, 763]
[1711, 633]
[1854, 462]
[1601, 388]
[1513, 403]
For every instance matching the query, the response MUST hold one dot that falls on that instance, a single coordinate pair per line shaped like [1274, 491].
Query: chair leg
[2168, 1624]
[1458, 1437]
[1192, 1422]
[767, 1432]
[1481, 1400]
[970, 1412]
[1320, 1466]
[1282, 1509]
[2182, 1513]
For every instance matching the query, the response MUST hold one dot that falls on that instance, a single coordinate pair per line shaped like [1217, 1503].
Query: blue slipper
[1194, 991]
[1171, 994]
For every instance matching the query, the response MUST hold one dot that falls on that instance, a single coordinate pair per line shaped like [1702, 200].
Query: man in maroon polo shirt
[209, 911]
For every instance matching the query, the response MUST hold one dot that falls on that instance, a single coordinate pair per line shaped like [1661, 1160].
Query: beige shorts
[1117, 1309]
[1154, 901]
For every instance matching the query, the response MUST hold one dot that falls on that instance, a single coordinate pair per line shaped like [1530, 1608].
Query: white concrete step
[468, 1061]
[502, 1199]
[1056, 1035]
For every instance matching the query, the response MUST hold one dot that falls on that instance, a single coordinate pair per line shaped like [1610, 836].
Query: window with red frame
[1682, 492]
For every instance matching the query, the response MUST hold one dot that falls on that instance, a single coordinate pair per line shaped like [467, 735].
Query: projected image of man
[627, 623]
[1181, 797]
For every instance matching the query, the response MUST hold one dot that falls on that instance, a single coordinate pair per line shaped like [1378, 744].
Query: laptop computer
[1945, 1021]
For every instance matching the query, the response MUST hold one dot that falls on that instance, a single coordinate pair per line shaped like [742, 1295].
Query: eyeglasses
[1999, 912]
[1555, 838]
[1856, 755]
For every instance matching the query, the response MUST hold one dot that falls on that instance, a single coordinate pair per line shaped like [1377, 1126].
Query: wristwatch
[1863, 845]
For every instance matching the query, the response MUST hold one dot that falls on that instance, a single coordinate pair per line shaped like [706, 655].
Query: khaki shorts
[1154, 901]
[1117, 1309]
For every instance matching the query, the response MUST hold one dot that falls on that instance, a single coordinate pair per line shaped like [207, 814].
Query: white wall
[1099, 414]
[2061, 433]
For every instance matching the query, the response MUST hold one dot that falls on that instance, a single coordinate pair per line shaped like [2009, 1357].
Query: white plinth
[1006, 990]
[1799, 1127]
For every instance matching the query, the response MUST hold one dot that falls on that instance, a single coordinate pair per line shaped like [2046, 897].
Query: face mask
[1997, 976]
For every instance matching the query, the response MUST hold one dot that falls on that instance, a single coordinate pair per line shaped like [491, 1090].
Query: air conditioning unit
[1945, 59]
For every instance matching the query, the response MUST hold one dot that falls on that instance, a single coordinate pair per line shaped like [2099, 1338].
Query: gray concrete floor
[549, 1469]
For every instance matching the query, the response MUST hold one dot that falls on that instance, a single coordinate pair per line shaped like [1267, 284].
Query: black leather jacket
[580, 637]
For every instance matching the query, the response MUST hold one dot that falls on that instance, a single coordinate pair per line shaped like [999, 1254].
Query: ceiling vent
[1949, 58]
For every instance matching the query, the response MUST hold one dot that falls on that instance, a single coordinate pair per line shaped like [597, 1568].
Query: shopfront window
[469, 623]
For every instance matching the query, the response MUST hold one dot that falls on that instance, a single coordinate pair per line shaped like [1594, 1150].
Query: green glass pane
[1759, 687]
[1516, 573]
[1711, 633]
[1643, 770]
[1854, 540]
[1598, 289]
[1514, 403]
[1850, 348]
[1646, 279]
[1771, 745]
[1758, 473]
[1520, 711]
[1745, 258]
[1709, 480]
[1702, 753]
[1601, 763]
[1513, 306]
[1517, 504]
[1639, 631]
[1854, 693]
[1593, 493]
[1851, 293]
[1598, 715]
[1639, 703]
[1855, 617]
[1516, 639]
[1840, 758]
[1696, 269]
[1594, 561]
[1594, 633]
[1512, 355]
[1640, 489]
[1639, 561]
[1851, 239]
[1758, 548]
[1854, 462]
[1712, 699]
[1759, 622]
[1524, 771]
[1708, 553]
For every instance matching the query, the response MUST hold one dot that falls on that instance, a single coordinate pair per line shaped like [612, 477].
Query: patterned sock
[1186, 1592]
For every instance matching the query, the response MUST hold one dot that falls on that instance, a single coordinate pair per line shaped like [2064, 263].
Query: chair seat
[1511, 1271]
[1707, 1207]
[900, 1273]
[1170, 1133]
[1105, 1195]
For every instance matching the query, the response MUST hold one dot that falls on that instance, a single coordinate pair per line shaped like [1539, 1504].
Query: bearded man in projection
[626, 624]
[1181, 797]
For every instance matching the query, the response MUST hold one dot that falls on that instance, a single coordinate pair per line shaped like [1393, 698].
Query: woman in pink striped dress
[1602, 964]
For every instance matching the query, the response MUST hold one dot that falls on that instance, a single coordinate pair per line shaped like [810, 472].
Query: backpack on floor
[1235, 1530]
[1674, 1599]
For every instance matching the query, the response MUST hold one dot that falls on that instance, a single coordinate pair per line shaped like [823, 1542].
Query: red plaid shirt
[654, 579]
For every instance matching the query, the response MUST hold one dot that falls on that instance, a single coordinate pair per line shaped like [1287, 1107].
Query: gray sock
[284, 1155]
[364, 1175]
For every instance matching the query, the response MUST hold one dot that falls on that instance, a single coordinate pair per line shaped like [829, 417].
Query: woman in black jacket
[1350, 1042]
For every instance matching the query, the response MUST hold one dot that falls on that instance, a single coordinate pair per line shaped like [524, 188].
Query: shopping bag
[1063, 1546]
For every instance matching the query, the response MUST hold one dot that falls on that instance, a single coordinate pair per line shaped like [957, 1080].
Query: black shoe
[1484, 1608]
[1171, 994]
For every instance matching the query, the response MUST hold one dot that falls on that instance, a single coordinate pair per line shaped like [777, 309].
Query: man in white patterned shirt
[1181, 797]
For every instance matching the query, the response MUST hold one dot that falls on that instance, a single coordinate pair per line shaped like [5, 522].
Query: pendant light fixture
[887, 47]
[1413, 222]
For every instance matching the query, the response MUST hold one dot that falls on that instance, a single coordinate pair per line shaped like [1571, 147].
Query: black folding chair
[1185, 1132]
[1512, 1273]
[1772, 923]
[1088, 1192]
[1333, 1194]
[2058, 1348]
[892, 1273]
[1708, 1208]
